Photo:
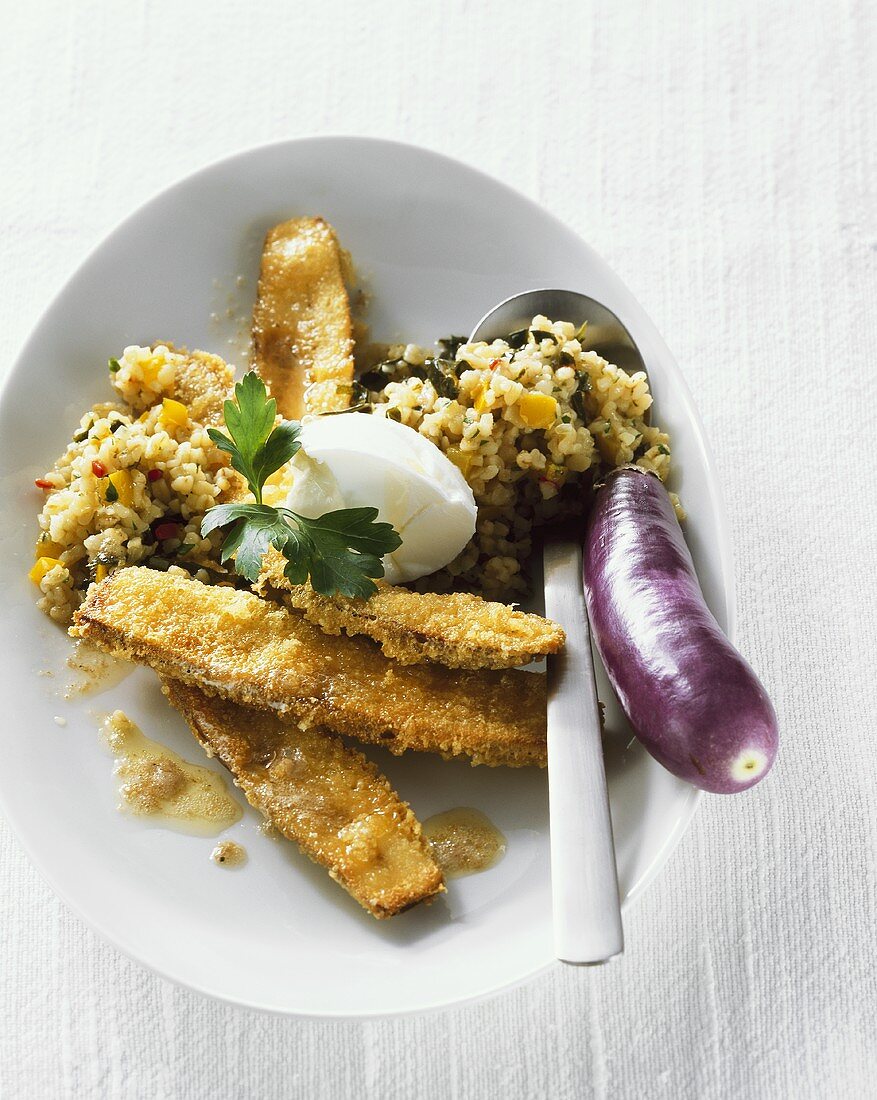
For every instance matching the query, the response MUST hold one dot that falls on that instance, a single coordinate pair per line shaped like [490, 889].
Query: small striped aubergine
[690, 697]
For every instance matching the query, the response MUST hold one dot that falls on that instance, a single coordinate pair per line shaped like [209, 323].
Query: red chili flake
[98, 469]
[166, 531]
[41, 483]
[495, 363]
[154, 475]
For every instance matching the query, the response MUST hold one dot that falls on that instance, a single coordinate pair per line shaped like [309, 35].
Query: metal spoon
[584, 880]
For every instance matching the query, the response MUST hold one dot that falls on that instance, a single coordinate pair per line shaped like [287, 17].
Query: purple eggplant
[690, 697]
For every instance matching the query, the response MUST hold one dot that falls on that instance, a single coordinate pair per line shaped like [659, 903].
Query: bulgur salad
[136, 479]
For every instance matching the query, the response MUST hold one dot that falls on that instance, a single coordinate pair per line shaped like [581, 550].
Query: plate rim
[723, 549]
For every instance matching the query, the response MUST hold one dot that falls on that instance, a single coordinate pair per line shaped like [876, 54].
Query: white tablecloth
[721, 156]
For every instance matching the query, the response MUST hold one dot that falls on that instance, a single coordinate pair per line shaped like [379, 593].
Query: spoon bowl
[605, 334]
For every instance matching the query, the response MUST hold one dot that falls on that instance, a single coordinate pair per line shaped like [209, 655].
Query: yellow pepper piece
[42, 567]
[123, 485]
[150, 368]
[45, 548]
[461, 459]
[482, 403]
[538, 410]
[174, 412]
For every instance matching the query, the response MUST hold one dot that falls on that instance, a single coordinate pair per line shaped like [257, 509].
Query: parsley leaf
[340, 551]
[257, 448]
[255, 528]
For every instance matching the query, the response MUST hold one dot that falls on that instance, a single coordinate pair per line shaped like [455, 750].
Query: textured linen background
[721, 157]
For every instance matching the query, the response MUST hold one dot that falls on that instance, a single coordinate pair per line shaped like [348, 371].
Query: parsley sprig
[340, 551]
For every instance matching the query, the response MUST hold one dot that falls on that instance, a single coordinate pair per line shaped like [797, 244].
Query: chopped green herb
[662, 449]
[441, 373]
[112, 492]
[362, 407]
[358, 393]
[567, 360]
[580, 332]
[83, 433]
[114, 365]
[109, 561]
[538, 335]
[517, 339]
[340, 551]
[450, 345]
[374, 379]
[577, 401]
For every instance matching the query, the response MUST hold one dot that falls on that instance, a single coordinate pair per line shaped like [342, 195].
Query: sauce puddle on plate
[158, 784]
[95, 672]
[464, 841]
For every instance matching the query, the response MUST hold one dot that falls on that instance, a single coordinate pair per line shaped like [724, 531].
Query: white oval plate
[438, 243]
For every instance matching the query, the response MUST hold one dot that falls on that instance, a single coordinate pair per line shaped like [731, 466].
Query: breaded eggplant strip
[203, 384]
[302, 335]
[458, 630]
[327, 798]
[259, 654]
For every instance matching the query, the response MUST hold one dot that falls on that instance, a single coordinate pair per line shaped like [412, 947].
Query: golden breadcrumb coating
[256, 653]
[457, 629]
[324, 796]
[203, 384]
[302, 333]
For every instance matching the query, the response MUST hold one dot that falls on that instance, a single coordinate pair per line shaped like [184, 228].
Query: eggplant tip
[749, 765]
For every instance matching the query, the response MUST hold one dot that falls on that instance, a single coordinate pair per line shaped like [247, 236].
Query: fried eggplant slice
[302, 333]
[252, 651]
[327, 798]
[203, 384]
[458, 630]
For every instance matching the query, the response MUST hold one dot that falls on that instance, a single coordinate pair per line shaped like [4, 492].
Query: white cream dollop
[357, 460]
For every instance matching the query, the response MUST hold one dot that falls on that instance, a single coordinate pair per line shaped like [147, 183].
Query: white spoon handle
[584, 882]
